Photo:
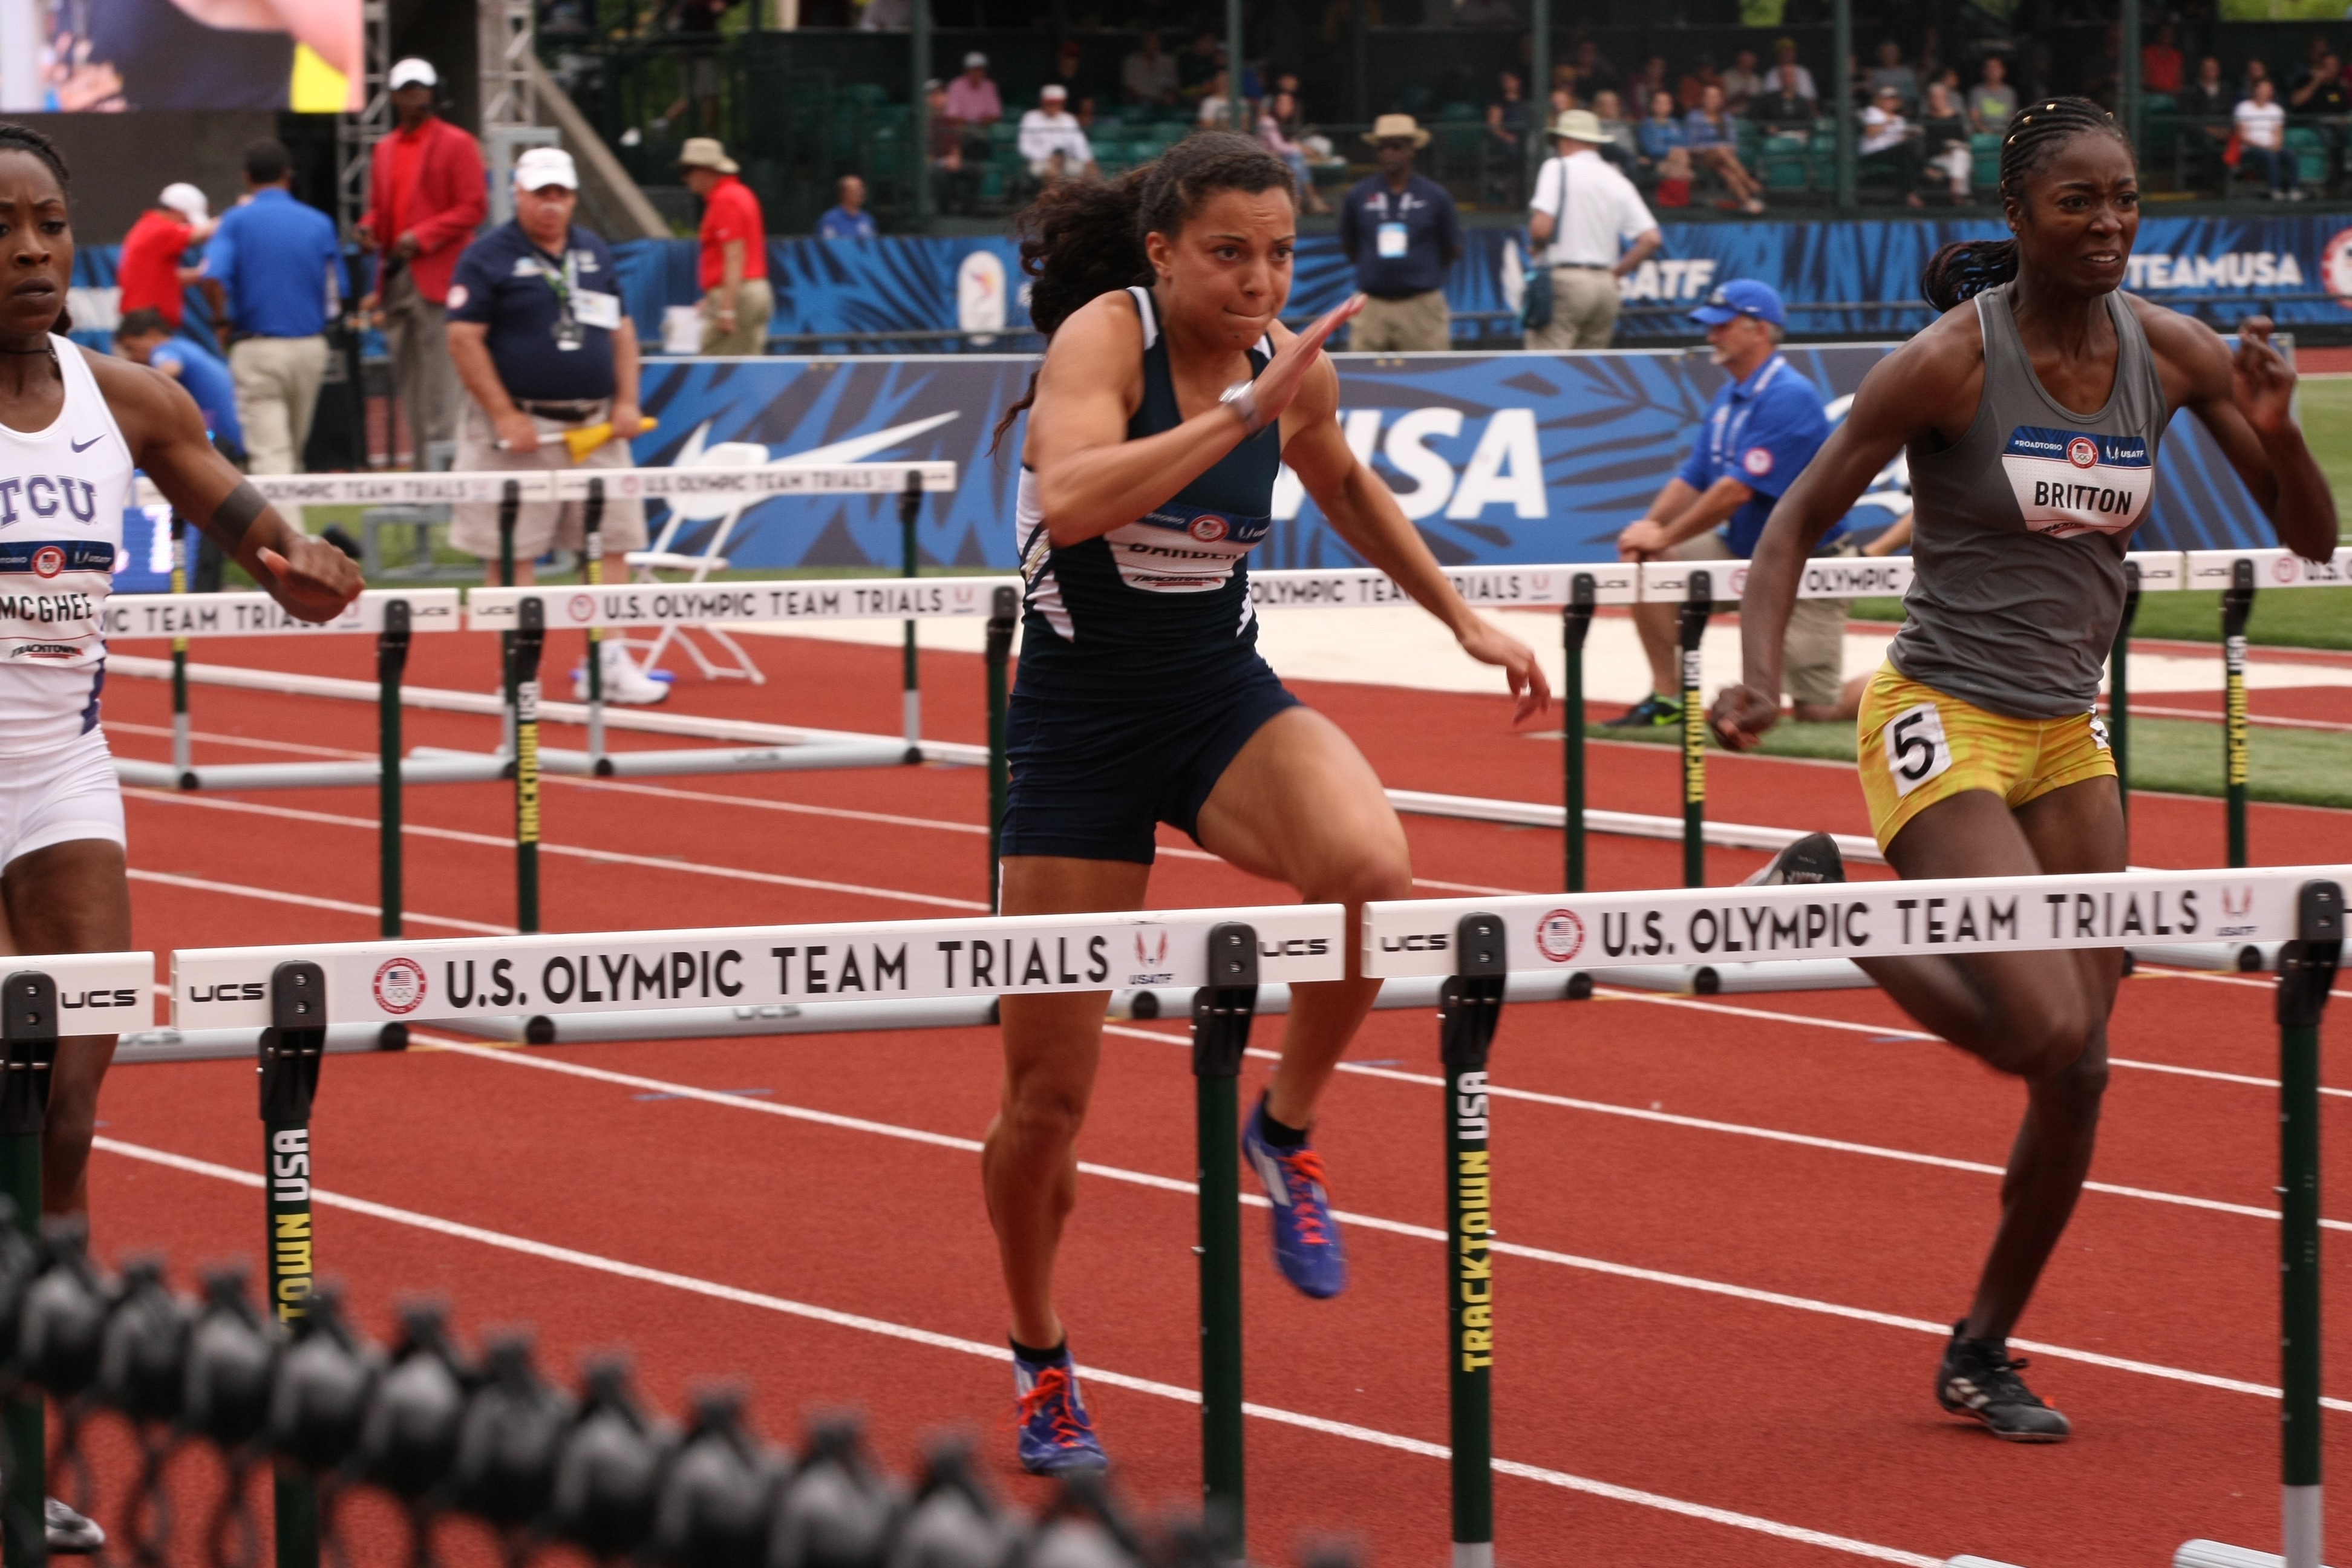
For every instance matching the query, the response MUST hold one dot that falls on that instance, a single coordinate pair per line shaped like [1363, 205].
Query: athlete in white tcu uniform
[73, 426]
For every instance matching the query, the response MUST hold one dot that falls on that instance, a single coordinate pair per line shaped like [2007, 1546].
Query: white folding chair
[646, 565]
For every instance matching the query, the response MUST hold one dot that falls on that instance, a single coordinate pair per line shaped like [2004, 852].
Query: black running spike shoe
[1979, 1379]
[1653, 712]
[1812, 858]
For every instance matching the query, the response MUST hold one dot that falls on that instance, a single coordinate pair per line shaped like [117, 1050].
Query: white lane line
[885, 1329]
[120, 727]
[205, 884]
[576, 852]
[517, 1057]
[1768, 1134]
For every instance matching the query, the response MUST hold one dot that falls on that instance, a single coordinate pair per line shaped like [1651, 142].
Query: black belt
[563, 412]
[1584, 266]
[1408, 294]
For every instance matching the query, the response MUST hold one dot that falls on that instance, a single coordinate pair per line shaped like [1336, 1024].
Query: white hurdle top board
[753, 966]
[98, 993]
[257, 615]
[1863, 576]
[1486, 587]
[2273, 568]
[1559, 933]
[743, 600]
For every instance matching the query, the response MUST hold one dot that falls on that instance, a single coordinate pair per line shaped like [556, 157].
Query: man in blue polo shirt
[279, 268]
[1402, 231]
[144, 337]
[1762, 429]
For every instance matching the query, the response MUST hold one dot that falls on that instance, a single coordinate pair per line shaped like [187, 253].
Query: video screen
[113, 55]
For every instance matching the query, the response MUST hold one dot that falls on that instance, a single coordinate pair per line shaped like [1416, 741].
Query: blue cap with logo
[1742, 297]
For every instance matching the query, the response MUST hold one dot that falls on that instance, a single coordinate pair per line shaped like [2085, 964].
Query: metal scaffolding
[357, 134]
[506, 54]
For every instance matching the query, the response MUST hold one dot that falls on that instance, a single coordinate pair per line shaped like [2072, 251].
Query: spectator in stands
[952, 181]
[424, 202]
[1992, 100]
[1650, 81]
[1743, 84]
[1944, 134]
[1665, 151]
[545, 350]
[1695, 83]
[1506, 114]
[149, 272]
[732, 269]
[1892, 142]
[974, 104]
[280, 270]
[146, 336]
[2207, 95]
[1215, 112]
[1281, 112]
[1712, 134]
[2323, 97]
[2160, 62]
[2262, 141]
[1592, 73]
[1053, 144]
[1069, 74]
[1621, 151]
[1402, 231]
[1588, 224]
[1149, 75]
[883, 16]
[2255, 71]
[847, 218]
[1890, 71]
[1198, 65]
[1787, 79]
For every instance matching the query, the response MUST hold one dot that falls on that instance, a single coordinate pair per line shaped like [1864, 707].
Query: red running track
[1735, 1225]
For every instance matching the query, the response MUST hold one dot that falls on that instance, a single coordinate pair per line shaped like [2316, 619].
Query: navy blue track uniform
[1140, 678]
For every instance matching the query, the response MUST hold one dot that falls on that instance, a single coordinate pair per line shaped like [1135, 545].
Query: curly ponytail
[25, 138]
[1966, 268]
[1082, 240]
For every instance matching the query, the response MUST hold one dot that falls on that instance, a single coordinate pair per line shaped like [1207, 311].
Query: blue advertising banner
[1497, 458]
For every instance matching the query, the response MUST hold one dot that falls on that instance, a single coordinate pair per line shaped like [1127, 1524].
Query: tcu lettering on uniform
[42, 495]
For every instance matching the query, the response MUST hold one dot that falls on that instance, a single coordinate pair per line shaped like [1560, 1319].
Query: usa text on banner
[258, 615]
[1558, 933]
[703, 604]
[752, 966]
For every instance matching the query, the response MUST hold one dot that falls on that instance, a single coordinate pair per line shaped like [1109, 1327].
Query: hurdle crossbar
[782, 478]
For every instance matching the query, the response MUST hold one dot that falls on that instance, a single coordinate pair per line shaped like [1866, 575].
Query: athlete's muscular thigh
[1301, 805]
[73, 897]
[2079, 830]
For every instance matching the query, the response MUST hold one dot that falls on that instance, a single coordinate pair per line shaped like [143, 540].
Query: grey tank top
[2022, 526]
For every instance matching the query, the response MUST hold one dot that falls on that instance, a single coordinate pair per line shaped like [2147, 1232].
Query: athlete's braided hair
[25, 138]
[1082, 238]
[1967, 268]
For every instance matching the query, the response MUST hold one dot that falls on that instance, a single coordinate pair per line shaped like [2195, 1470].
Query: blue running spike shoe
[1057, 1432]
[1306, 1239]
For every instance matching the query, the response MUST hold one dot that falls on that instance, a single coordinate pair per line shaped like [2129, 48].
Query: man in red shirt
[425, 199]
[736, 298]
[149, 272]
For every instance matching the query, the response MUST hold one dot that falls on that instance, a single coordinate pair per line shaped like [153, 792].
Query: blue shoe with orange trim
[1306, 1239]
[1057, 1432]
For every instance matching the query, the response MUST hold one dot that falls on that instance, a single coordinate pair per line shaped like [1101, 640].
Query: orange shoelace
[1308, 1166]
[1052, 1391]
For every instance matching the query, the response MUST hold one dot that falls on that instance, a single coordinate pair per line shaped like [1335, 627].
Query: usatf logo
[399, 985]
[2238, 902]
[1559, 935]
[1152, 954]
[1208, 528]
[48, 560]
[581, 607]
[2287, 569]
[2083, 452]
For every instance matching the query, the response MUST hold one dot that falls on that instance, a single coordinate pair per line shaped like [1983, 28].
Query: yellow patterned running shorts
[1918, 746]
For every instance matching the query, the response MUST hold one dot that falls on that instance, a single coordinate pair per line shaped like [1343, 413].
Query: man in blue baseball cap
[1763, 428]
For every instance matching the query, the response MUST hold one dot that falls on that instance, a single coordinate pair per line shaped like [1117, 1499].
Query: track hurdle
[1221, 955]
[1456, 941]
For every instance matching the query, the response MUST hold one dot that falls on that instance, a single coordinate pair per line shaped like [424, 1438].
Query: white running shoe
[624, 683]
[70, 1534]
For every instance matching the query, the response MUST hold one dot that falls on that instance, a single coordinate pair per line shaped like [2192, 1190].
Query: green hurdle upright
[1697, 607]
[183, 747]
[1470, 1005]
[1001, 611]
[391, 664]
[1575, 622]
[291, 1048]
[2237, 604]
[2306, 971]
[910, 511]
[529, 638]
[28, 1030]
[1221, 1011]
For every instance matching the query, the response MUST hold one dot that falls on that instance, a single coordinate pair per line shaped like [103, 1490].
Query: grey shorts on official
[1812, 659]
[539, 526]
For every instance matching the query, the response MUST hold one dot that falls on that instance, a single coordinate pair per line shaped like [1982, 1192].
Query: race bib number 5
[1916, 747]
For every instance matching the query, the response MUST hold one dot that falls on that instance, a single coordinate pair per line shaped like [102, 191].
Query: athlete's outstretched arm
[1365, 513]
[1090, 478]
[2247, 401]
[313, 579]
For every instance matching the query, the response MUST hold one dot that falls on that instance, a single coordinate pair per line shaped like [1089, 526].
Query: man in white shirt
[1889, 140]
[1583, 211]
[1053, 144]
[1787, 75]
[2261, 138]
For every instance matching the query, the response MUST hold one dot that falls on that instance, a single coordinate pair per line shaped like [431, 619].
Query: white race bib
[2069, 482]
[597, 309]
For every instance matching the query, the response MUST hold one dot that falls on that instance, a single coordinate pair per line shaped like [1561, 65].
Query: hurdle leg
[592, 556]
[910, 510]
[523, 679]
[509, 505]
[391, 663]
[1000, 777]
[291, 1050]
[1470, 1005]
[1221, 1023]
[2119, 687]
[29, 1031]
[2306, 969]
[1691, 625]
[1575, 622]
[2237, 604]
[182, 749]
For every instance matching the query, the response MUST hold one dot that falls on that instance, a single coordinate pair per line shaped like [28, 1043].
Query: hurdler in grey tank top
[2018, 545]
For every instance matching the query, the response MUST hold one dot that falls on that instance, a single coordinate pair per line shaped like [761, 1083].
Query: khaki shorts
[541, 525]
[1812, 658]
[1418, 323]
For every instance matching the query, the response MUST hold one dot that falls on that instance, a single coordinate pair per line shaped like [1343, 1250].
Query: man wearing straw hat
[1402, 233]
[1583, 212]
[734, 271]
